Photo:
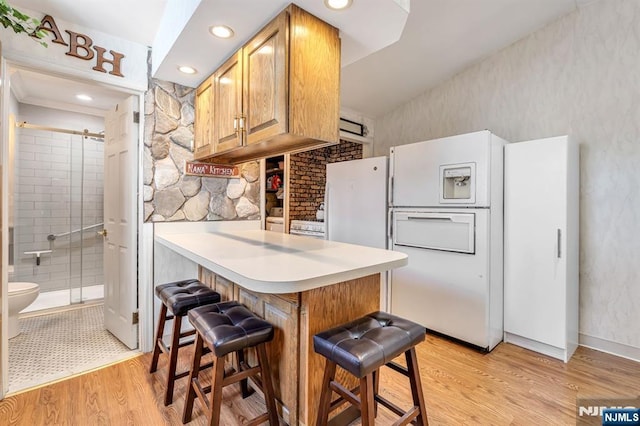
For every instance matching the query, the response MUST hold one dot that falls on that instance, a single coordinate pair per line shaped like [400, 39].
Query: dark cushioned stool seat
[178, 298]
[361, 347]
[181, 296]
[367, 343]
[225, 328]
[229, 326]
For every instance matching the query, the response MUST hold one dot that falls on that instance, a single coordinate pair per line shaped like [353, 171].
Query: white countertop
[274, 262]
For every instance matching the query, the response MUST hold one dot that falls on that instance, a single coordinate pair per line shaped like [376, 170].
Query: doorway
[56, 176]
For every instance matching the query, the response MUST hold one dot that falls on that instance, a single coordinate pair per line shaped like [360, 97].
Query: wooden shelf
[272, 171]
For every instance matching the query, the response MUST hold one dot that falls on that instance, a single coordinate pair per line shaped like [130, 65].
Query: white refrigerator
[447, 202]
[356, 206]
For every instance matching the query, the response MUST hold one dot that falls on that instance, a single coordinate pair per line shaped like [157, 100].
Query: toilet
[21, 295]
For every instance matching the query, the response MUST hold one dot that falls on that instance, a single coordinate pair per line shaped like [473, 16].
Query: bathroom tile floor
[62, 344]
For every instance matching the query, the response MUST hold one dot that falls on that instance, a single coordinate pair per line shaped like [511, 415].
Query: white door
[120, 221]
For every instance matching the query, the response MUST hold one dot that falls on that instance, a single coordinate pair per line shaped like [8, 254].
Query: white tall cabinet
[541, 225]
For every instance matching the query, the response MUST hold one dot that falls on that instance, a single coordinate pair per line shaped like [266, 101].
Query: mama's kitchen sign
[74, 50]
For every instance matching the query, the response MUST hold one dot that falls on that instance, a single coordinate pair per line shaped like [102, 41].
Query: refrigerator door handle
[434, 219]
[327, 212]
[559, 243]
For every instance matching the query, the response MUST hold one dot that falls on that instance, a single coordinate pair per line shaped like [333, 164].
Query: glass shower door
[86, 278]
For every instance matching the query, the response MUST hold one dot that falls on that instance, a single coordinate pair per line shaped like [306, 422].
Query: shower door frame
[81, 228]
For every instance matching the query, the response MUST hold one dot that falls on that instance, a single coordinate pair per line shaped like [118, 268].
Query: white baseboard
[613, 348]
[563, 354]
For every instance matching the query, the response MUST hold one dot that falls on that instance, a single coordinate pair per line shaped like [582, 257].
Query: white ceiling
[49, 91]
[441, 38]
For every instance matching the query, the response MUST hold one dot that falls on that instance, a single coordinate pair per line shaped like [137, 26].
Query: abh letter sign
[81, 46]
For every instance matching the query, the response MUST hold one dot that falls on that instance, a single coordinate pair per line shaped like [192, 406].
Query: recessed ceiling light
[84, 97]
[187, 69]
[221, 31]
[337, 4]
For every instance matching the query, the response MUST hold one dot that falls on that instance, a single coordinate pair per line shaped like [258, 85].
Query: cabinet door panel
[203, 124]
[207, 277]
[283, 351]
[228, 103]
[224, 287]
[265, 77]
[534, 233]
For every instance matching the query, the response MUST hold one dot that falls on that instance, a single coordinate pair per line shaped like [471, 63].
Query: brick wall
[308, 176]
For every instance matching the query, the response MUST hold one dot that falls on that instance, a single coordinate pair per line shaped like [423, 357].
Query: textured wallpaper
[579, 76]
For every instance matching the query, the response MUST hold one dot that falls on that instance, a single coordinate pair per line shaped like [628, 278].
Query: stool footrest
[408, 417]
[258, 420]
[390, 405]
[202, 391]
[399, 368]
[186, 373]
[185, 343]
[345, 395]
[239, 375]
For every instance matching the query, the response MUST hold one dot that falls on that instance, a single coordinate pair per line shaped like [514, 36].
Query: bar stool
[223, 328]
[361, 347]
[177, 298]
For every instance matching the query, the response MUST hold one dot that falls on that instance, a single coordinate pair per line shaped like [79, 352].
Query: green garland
[19, 22]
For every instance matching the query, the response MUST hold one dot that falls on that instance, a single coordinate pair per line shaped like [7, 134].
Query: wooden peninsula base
[300, 285]
[297, 369]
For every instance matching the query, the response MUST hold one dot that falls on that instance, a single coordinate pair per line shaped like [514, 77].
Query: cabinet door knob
[103, 233]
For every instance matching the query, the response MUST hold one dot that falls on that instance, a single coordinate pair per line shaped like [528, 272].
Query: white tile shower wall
[47, 201]
[577, 76]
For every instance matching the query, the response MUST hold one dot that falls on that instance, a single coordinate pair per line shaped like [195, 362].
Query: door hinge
[134, 318]
[136, 117]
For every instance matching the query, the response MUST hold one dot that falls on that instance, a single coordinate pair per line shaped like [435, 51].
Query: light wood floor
[508, 386]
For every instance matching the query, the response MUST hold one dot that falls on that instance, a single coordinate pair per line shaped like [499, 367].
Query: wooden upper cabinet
[281, 92]
[265, 82]
[203, 125]
[228, 117]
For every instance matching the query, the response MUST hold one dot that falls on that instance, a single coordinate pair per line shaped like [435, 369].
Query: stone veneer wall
[169, 195]
[308, 176]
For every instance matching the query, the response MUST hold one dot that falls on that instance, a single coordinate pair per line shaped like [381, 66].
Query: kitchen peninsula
[301, 285]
